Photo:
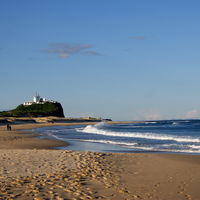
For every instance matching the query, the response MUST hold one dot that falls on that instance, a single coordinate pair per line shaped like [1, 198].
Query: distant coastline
[51, 119]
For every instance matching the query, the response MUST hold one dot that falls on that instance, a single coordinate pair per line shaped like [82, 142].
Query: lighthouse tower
[36, 98]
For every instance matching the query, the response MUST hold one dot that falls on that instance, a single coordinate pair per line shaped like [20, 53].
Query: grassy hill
[35, 110]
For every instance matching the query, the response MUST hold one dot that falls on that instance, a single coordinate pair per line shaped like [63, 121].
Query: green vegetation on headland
[42, 113]
[35, 110]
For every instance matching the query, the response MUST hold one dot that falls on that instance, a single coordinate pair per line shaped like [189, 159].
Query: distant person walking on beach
[9, 127]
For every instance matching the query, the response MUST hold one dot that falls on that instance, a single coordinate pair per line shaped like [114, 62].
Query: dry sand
[29, 170]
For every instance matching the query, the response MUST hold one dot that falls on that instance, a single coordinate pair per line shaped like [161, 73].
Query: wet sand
[31, 169]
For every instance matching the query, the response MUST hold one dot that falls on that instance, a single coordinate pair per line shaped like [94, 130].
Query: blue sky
[125, 60]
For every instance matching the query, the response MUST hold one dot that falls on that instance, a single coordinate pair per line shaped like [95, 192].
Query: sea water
[176, 136]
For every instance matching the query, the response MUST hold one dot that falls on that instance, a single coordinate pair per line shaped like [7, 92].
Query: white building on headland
[38, 100]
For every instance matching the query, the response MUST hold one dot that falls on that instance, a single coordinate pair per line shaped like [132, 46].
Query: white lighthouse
[36, 99]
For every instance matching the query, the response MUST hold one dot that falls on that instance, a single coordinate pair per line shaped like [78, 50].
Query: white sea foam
[194, 146]
[182, 150]
[151, 122]
[179, 148]
[111, 142]
[51, 134]
[133, 145]
[187, 148]
[96, 130]
[101, 124]
[168, 150]
[144, 148]
[175, 123]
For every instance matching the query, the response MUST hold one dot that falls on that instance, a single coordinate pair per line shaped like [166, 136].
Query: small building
[37, 100]
[27, 103]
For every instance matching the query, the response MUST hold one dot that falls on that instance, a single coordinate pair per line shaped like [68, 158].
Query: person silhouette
[8, 127]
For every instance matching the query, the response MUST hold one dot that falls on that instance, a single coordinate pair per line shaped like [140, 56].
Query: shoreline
[31, 169]
[21, 136]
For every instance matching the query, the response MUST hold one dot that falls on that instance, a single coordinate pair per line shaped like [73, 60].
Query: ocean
[174, 136]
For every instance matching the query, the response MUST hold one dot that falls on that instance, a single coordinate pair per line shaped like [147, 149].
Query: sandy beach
[31, 169]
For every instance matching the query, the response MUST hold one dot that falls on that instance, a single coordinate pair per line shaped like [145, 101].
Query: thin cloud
[90, 53]
[192, 114]
[65, 50]
[152, 116]
[139, 37]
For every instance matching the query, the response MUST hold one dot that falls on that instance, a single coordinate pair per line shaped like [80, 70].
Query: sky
[124, 59]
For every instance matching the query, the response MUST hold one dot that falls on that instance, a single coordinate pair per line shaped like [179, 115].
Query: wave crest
[100, 129]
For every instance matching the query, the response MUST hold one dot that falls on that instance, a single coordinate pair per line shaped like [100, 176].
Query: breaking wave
[179, 136]
[100, 130]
